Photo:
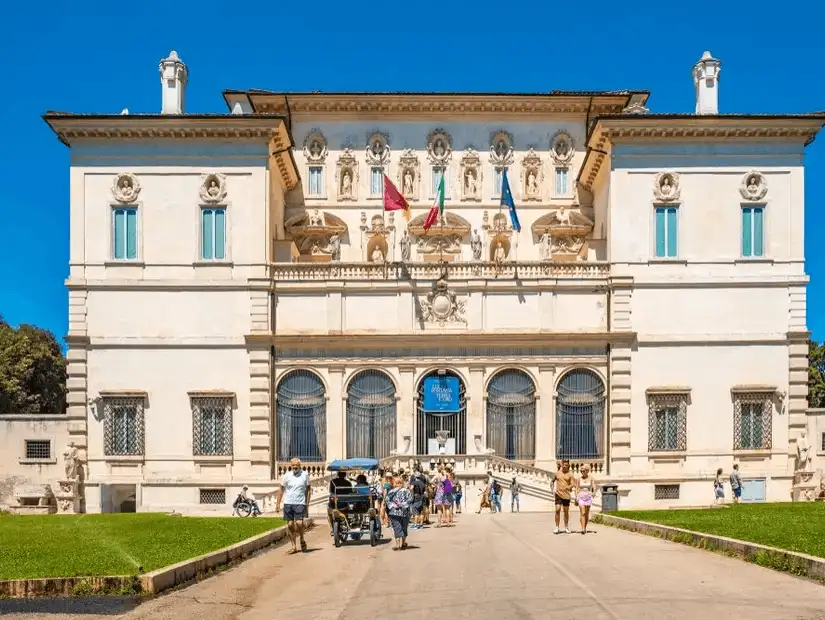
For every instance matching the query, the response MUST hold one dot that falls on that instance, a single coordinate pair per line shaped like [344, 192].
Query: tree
[32, 370]
[816, 374]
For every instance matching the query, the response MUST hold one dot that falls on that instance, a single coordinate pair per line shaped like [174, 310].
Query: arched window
[301, 415]
[511, 415]
[371, 410]
[580, 415]
[449, 416]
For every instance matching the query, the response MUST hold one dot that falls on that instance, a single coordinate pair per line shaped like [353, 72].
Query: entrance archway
[371, 412]
[580, 415]
[511, 415]
[442, 406]
[301, 416]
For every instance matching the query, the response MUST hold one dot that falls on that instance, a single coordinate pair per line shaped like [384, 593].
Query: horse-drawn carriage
[353, 509]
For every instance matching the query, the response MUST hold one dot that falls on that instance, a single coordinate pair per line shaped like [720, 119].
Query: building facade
[238, 295]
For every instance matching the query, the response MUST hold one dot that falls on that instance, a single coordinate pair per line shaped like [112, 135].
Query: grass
[791, 526]
[113, 544]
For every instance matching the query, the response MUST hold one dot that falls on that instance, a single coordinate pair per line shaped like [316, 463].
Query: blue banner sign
[441, 394]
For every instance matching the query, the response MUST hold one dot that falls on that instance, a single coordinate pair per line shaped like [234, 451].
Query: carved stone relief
[753, 186]
[439, 147]
[532, 176]
[562, 234]
[377, 246]
[561, 147]
[315, 147]
[442, 238]
[213, 188]
[125, 188]
[442, 306]
[409, 176]
[501, 150]
[316, 235]
[346, 175]
[666, 187]
[499, 236]
[378, 150]
[636, 108]
[471, 175]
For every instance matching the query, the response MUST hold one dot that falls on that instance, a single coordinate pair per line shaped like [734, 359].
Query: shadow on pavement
[100, 605]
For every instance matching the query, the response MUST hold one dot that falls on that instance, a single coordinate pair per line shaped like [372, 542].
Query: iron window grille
[823, 442]
[752, 420]
[212, 425]
[123, 426]
[665, 491]
[212, 496]
[667, 421]
[39, 449]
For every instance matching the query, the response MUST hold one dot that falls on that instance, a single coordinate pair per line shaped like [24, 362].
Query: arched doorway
[511, 415]
[301, 416]
[442, 406]
[580, 415]
[371, 411]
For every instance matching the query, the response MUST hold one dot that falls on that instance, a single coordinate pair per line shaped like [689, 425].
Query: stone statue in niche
[439, 149]
[476, 245]
[408, 182]
[532, 184]
[315, 219]
[346, 184]
[470, 184]
[667, 187]
[499, 254]
[377, 255]
[406, 247]
[213, 190]
[335, 246]
[753, 184]
[71, 461]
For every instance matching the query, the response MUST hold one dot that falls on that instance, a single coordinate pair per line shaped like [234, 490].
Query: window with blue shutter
[377, 182]
[666, 232]
[753, 238]
[498, 181]
[213, 233]
[124, 233]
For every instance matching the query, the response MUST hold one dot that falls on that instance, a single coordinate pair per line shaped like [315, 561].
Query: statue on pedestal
[71, 461]
[803, 449]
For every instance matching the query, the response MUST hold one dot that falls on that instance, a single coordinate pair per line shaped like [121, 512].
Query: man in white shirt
[295, 493]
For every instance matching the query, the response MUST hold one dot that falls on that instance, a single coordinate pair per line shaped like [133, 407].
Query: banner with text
[441, 394]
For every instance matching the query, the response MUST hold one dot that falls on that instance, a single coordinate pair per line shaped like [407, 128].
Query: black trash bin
[610, 497]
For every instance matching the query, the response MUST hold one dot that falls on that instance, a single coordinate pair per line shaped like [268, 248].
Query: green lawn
[113, 544]
[796, 527]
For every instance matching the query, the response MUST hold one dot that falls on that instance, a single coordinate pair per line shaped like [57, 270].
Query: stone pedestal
[804, 488]
[68, 497]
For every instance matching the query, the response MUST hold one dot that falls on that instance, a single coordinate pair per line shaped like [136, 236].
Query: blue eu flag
[507, 200]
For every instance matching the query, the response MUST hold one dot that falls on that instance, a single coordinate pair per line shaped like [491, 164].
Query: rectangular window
[665, 491]
[212, 425]
[377, 182]
[666, 229]
[667, 428]
[123, 426]
[753, 231]
[124, 233]
[212, 496]
[316, 181]
[667, 421]
[823, 442]
[752, 421]
[498, 181]
[39, 449]
[561, 181]
[213, 233]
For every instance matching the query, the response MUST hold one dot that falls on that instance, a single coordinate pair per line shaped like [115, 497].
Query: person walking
[495, 496]
[295, 493]
[419, 493]
[735, 484]
[718, 488]
[459, 493]
[399, 500]
[562, 485]
[585, 489]
[515, 490]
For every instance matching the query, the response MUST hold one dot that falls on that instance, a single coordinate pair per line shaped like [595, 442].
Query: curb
[799, 564]
[149, 583]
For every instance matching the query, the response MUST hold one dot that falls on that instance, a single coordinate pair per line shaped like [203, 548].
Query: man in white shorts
[295, 493]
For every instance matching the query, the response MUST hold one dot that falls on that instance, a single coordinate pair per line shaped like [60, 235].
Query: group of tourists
[719, 486]
[490, 495]
[570, 488]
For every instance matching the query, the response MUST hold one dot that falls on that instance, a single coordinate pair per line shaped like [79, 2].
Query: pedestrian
[735, 484]
[338, 484]
[295, 493]
[399, 501]
[585, 489]
[515, 490]
[563, 483]
[718, 488]
[495, 496]
[419, 492]
[449, 495]
[440, 499]
[484, 500]
[386, 485]
[459, 493]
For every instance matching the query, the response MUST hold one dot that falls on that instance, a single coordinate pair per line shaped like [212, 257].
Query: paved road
[507, 567]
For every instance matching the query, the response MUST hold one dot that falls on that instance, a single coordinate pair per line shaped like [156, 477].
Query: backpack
[496, 488]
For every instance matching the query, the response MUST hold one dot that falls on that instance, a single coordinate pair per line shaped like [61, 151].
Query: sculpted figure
[439, 148]
[335, 246]
[471, 184]
[71, 461]
[475, 245]
[499, 255]
[545, 246]
[315, 219]
[346, 185]
[562, 216]
[562, 148]
[753, 185]
[408, 183]
[213, 189]
[126, 189]
[532, 185]
[406, 247]
[377, 255]
[667, 186]
[315, 149]
[803, 449]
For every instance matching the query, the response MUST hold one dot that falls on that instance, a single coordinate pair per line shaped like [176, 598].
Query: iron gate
[511, 415]
[301, 415]
[428, 422]
[580, 415]
[371, 412]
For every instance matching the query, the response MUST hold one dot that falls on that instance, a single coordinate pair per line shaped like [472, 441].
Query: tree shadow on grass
[99, 605]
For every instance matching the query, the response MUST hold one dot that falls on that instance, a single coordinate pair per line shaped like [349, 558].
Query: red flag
[394, 200]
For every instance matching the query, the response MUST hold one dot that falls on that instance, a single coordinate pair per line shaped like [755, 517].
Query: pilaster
[77, 396]
[545, 416]
[260, 321]
[797, 389]
[477, 408]
[620, 377]
[405, 426]
[261, 436]
[336, 414]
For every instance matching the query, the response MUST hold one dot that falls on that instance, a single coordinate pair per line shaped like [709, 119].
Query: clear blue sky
[102, 56]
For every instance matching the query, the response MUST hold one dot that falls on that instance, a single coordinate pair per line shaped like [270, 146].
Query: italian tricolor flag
[437, 210]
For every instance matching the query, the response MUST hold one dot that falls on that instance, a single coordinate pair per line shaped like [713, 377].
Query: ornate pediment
[444, 236]
[562, 234]
[378, 149]
[315, 147]
[501, 149]
[317, 235]
[439, 147]
[532, 176]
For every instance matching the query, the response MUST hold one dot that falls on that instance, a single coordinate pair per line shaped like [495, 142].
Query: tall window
[124, 233]
[666, 232]
[562, 186]
[667, 421]
[498, 181]
[753, 231]
[376, 182]
[212, 425]
[316, 181]
[580, 415]
[123, 426]
[752, 421]
[437, 173]
[213, 233]
[301, 417]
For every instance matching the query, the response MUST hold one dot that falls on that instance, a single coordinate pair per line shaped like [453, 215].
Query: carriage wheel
[336, 533]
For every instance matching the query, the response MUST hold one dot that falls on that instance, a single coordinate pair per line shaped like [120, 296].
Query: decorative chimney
[706, 80]
[173, 77]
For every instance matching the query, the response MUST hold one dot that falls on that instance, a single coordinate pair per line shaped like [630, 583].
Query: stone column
[336, 414]
[476, 412]
[619, 406]
[546, 416]
[405, 423]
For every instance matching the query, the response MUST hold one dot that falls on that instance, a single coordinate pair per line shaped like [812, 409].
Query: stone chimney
[173, 77]
[706, 80]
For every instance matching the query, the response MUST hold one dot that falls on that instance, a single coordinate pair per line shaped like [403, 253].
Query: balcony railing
[533, 270]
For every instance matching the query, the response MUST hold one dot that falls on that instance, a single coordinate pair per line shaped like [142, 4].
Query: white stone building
[238, 296]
